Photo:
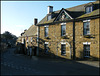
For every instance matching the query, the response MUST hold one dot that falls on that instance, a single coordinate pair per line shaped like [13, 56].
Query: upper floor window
[63, 30]
[86, 28]
[49, 17]
[88, 9]
[46, 31]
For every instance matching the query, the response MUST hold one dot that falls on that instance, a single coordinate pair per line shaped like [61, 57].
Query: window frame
[49, 17]
[64, 45]
[62, 30]
[46, 32]
[84, 27]
[87, 52]
[88, 11]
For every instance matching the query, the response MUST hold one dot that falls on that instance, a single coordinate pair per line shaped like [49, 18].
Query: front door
[46, 48]
[35, 51]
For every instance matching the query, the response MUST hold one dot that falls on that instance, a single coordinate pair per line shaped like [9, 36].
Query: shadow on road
[50, 66]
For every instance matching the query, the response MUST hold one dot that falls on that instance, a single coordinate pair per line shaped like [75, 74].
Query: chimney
[50, 9]
[35, 21]
[25, 30]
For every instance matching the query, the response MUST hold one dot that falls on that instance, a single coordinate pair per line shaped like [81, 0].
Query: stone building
[28, 40]
[72, 33]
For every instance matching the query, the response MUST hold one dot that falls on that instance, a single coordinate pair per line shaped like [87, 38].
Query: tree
[9, 37]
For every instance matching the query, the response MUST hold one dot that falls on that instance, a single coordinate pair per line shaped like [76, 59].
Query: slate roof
[75, 12]
[32, 31]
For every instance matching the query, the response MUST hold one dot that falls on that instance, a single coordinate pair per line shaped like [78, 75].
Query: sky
[16, 16]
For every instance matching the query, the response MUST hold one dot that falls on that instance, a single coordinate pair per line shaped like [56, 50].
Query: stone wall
[94, 39]
[55, 40]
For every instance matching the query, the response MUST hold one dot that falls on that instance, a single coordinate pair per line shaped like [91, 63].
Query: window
[86, 28]
[46, 31]
[88, 9]
[63, 49]
[63, 30]
[46, 48]
[31, 39]
[49, 17]
[86, 50]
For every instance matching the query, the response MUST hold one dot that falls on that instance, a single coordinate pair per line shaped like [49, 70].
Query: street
[18, 64]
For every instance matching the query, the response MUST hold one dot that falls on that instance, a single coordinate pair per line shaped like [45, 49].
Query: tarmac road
[17, 64]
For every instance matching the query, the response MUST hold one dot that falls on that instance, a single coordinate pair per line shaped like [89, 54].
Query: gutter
[38, 29]
[74, 56]
[99, 40]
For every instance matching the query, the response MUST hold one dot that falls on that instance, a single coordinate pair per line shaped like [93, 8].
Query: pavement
[19, 64]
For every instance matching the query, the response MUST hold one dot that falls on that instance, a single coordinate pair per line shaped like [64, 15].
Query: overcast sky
[16, 16]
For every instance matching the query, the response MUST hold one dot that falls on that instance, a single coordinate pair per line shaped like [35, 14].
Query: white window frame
[84, 29]
[46, 26]
[63, 24]
[89, 7]
[49, 18]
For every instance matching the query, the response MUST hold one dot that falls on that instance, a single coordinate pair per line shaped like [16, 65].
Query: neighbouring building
[72, 33]
[28, 40]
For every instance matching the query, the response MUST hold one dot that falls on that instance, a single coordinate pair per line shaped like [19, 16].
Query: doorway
[34, 50]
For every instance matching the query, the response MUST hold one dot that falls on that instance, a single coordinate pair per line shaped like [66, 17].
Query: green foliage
[8, 35]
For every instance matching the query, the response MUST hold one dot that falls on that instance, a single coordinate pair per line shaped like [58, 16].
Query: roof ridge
[77, 6]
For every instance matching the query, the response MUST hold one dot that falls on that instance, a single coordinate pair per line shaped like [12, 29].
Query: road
[17, 64]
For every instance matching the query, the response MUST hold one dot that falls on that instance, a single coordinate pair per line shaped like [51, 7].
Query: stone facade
[29, 42]
[93, 40]
[55, 40]
[81, 39]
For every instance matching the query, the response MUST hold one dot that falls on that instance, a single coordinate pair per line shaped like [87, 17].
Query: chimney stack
[35, 21]
[25, 30]
[50, 9]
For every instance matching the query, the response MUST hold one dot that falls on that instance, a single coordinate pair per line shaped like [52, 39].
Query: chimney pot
[25, 30]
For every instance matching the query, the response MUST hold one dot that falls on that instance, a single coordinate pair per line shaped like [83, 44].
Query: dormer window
[88, 9]
[49, 17]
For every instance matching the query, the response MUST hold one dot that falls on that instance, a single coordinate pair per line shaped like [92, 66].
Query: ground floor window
[63, 49]
[46, 48]
[86, 50]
